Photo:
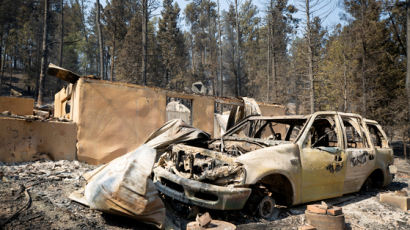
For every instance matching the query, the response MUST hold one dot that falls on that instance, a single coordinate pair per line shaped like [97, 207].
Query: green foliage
[201, 15]
[171, 43]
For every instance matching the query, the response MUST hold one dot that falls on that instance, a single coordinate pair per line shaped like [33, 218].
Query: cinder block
[402, 202]
[334, 211]
[193, 226]
[215, 225]
[315, 208]
[204, 219]
[325, 222]
[306, 227]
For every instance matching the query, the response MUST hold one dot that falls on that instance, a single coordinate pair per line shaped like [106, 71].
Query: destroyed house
[96, 121]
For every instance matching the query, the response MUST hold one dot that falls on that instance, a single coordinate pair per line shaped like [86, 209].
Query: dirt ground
[34, 195]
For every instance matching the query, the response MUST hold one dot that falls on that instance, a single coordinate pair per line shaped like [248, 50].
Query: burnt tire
[368, 185]
[267, 208]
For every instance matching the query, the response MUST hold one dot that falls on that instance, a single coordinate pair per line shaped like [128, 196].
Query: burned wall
[114, 118]
[62, 103]
[22, 140]
[203, 113]
[271, 109]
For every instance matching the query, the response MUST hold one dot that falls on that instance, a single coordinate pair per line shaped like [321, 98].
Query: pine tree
[44, 55]
[116, 16]
[129, 56]
[171, 43]
[201, 16]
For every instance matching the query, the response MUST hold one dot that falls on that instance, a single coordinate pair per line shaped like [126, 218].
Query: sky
[332, 9]
[328, 10]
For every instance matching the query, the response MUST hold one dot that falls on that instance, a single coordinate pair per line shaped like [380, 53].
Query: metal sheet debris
[123, 187]
[174, 132]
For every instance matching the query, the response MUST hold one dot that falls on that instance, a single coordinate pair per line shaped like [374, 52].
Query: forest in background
[358, 66]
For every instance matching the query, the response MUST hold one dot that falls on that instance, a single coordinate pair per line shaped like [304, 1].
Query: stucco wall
[22, 140]
[203, 113]
[114, 118]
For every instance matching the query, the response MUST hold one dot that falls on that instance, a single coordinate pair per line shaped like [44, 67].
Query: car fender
[281, 159]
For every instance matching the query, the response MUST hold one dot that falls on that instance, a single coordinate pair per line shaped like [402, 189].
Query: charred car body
[286, 160]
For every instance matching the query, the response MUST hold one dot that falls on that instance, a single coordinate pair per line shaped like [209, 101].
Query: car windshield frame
[290, 119]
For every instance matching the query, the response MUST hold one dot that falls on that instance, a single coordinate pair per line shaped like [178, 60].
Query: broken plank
[62, 73]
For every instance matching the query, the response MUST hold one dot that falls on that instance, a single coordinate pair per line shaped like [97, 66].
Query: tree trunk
[363, 69]
[310, 59]
[238, 53]
[210, 59]
[274, 77]
[144, 40]
[408, 59]
[345, 84]
[405, 142]
[11, 66]
[60, 61]
[82, 20]
[1, 61]
[3, 67]
[83, 27]
[112, 58]
[100, 41]
[43, 56]
[273, 55]
[268, 64]
[221, 81]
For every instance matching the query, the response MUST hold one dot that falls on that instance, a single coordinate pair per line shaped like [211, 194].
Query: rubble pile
[47, 186]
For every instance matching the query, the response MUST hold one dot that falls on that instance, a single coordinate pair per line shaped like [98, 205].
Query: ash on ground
[34, 195]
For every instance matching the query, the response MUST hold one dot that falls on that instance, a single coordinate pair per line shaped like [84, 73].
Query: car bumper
[201, 194]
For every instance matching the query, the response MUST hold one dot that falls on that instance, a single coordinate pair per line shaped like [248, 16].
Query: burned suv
[279, 160]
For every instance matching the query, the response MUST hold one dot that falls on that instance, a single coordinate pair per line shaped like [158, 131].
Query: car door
[379, 139]
[360, 154]
[383, 152]
[322, 158]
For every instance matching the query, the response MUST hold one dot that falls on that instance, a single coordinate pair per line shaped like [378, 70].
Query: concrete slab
[397, 200]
